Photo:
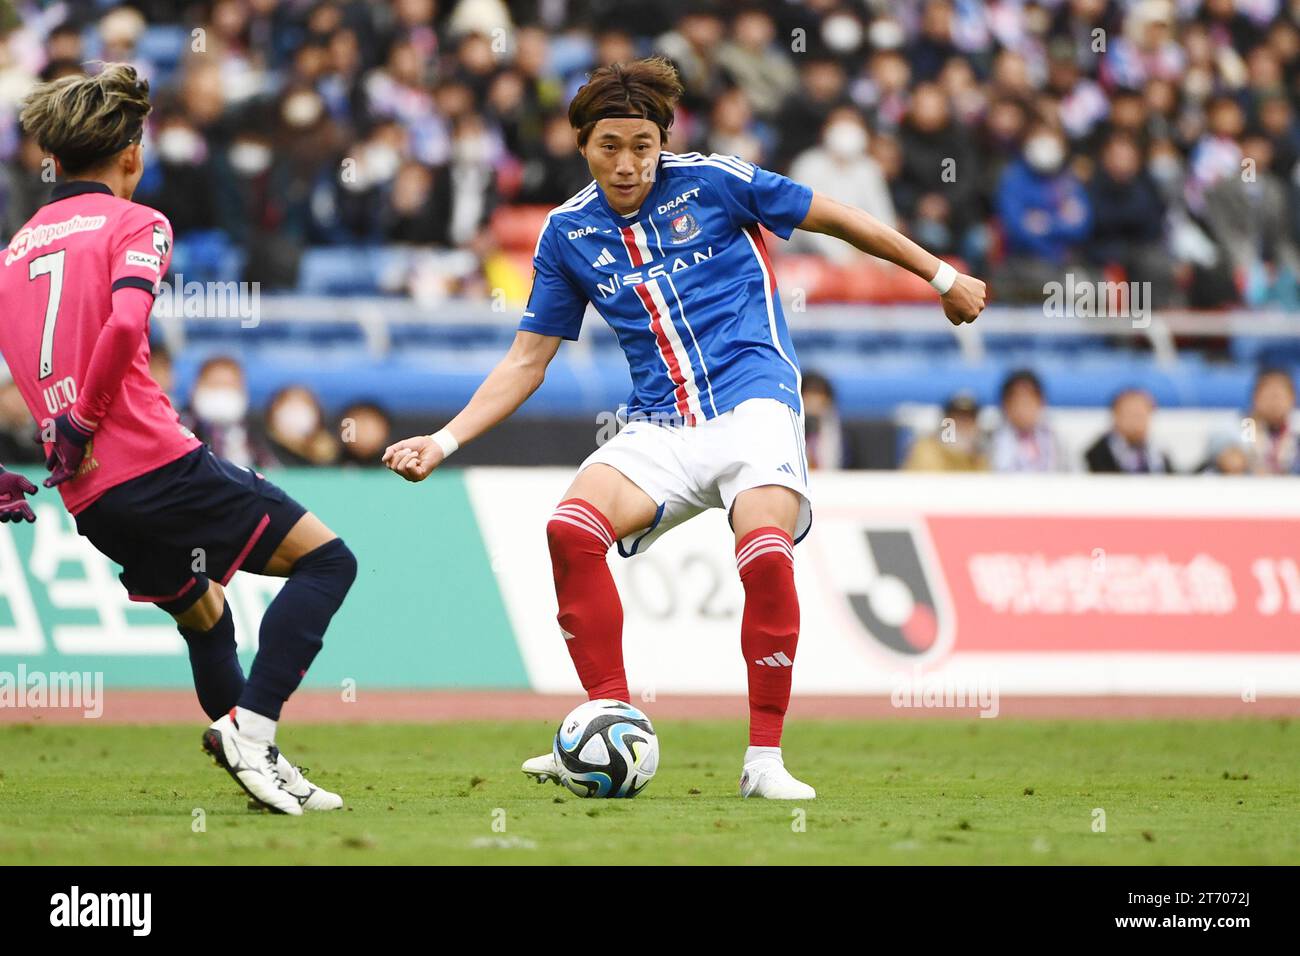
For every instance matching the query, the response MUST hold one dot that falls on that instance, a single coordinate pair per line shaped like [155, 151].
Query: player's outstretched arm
[962, 295]
[507, 387]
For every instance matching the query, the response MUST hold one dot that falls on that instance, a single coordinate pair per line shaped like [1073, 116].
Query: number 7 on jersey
[51, 265]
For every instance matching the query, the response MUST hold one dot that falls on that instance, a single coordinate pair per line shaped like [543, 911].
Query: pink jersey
[56, 286]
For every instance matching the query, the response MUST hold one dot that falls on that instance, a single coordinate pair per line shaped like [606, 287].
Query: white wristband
[944, 278]
[446, 441]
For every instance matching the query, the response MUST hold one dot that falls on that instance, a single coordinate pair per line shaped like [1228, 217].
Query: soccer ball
[606, 748]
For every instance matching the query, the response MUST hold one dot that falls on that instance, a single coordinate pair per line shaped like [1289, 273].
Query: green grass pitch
[978, 791]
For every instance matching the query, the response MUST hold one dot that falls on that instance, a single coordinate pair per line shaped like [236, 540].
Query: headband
[640, 116]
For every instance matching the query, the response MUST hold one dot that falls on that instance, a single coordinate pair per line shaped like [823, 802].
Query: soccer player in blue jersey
[668, 250]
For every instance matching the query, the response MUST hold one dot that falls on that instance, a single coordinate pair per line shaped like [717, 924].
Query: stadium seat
[207, 256]
[516, 228]
[351, 270]
[819, 279]
[163, 45]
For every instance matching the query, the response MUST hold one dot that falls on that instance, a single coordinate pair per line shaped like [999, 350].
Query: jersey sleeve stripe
[742, 165]
[133, 282]
[736, 161]
[575, 202]
[747, 177]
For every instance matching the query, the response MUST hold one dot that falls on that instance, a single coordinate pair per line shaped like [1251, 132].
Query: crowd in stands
[1263, 443]
[1148, 140]
[292, 430]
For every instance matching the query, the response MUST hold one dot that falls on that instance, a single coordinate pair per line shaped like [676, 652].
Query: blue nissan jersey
[685, 283]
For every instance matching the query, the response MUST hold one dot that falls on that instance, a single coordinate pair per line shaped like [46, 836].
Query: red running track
[326, 706]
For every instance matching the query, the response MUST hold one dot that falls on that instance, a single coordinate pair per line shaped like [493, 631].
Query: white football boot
[252, 764]
[310, 796]
[542, 768]
[767, 777]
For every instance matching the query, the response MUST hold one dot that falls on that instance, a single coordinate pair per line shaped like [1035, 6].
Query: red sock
[591, 614]
[769, 629]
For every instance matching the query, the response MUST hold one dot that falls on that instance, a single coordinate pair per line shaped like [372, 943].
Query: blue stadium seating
[348, 270]
[163, 45]
[207, 256]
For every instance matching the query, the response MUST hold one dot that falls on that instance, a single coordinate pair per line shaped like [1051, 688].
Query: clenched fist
[413, 458]
[964, 301]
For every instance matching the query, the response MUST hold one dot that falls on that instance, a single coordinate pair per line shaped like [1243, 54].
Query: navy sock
[293, 627]
[218, 678]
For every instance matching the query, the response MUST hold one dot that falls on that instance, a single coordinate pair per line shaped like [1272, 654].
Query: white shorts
[687, 470]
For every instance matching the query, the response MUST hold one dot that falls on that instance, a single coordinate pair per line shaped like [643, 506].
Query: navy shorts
[198, 518]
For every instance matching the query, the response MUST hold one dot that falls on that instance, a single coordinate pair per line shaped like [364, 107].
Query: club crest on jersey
[161, 242]
[683, 228]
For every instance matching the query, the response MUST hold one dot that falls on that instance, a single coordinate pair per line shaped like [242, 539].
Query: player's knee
[576, 526]
[199, 608]
[333, 563]
[560, 533]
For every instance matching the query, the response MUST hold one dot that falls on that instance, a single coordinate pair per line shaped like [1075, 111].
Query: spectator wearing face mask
[1126, 449]
[956, 445]
[364, 186]
[1024, 442]
[184, 188]
[841, 168]
[823, 85]
[1045, 215]
[218, 414]
[295, 427]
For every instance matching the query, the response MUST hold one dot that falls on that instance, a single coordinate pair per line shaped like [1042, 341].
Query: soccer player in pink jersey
[78, 283]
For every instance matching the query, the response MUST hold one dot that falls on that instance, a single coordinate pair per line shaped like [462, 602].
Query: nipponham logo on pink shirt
[34, 237]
